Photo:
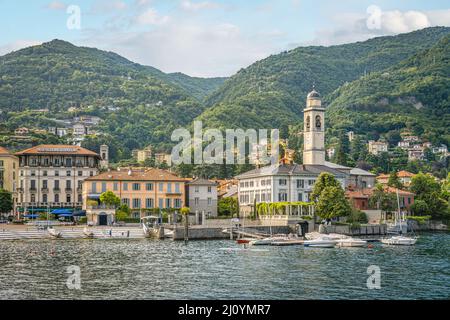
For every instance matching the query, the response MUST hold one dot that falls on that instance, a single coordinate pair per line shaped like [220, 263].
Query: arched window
[318, 122]
[308, 123]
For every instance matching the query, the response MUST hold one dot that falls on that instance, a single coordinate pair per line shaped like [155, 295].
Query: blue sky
[210, 37]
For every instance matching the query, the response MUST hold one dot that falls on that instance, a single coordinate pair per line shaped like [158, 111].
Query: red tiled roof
[405, 174]
[3, 150]
[49, 149]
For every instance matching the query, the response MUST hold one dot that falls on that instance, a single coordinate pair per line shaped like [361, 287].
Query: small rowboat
[243, 241]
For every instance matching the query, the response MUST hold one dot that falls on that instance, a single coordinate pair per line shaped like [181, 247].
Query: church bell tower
[314, 130]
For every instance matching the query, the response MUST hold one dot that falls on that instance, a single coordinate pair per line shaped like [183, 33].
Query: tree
[394, 181]
[227, 206]
[429, 190]
[6, 202]
[110, 199]
[423, 185]
[419, 208]
[382, 200]
[324, 180]
[123, 212]
[185, 211]
[332, 203]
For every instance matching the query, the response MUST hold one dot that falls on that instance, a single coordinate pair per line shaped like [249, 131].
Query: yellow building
[139, 189]
[9, 171]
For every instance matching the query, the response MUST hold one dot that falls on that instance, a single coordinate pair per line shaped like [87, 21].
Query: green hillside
[273, 91]
[198, 87]
[148, 104]
[413, 93]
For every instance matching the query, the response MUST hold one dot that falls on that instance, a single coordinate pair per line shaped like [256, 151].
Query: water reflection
[143, 269]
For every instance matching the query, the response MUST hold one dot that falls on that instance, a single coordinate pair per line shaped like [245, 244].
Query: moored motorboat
[168, 233]
[322, 242]
[351, 242]
[289, 242]
[268, 241]
[399, 240]
[152, 228]
[54, 233]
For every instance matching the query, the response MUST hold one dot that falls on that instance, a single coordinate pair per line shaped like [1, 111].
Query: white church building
[294, 182]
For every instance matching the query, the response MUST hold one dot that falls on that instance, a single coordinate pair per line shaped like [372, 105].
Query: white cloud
[196, 6]
[351, 27]
[439, 17]
[181, 46]
[141, 3]
[56, 5]
[151, 17]
[108, 6]
[17, 45]
[401, 22]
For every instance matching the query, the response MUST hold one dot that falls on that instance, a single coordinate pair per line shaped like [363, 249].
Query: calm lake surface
[146, 269]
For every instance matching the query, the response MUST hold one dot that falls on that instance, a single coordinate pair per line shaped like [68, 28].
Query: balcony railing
[56, 189]
[68, 189]
[33, 189]
[45, 190]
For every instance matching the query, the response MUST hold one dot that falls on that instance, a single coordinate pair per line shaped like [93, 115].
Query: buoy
[370, 246]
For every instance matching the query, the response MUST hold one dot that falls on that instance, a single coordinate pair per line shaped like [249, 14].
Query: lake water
[146, 269]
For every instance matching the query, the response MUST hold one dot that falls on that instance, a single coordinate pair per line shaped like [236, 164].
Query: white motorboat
[322, 242]
[351, 242]
[316, 235]
[168, 233]
[151, 227]
[268, 241]
[88, 233]
[400, 241]
[54, 233]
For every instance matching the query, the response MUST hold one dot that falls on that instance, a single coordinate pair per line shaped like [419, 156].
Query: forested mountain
[198, 87]
[372, 87]
[273, 90]
[148, 104]
[414, 93]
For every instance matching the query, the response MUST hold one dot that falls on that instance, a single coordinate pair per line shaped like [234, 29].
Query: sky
[209, 38]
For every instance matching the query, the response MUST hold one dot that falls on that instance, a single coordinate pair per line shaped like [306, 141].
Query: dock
[72, 233]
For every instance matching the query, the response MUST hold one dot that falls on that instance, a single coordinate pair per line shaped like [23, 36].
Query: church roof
[290, 169]
[313, 94]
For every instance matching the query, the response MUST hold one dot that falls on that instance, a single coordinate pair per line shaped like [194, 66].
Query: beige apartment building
[52, 175]
[9, 171]
[139, 189]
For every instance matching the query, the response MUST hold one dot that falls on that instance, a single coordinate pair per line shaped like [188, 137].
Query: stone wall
[204, 233]
[364, 230]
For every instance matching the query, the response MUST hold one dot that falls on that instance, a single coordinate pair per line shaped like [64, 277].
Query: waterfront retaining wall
[365, 230]
[205, 233]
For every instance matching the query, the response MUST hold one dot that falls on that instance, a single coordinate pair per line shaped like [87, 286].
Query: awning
[31, 216]
[93, 196]
[65, 215]
[79, 214]
[62, 211]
